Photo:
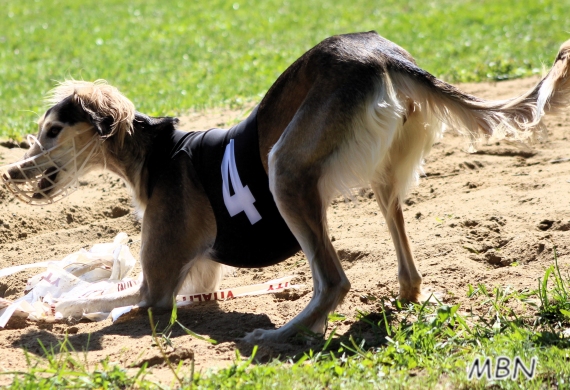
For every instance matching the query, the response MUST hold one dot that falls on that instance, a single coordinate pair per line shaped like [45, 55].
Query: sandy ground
[492, 217]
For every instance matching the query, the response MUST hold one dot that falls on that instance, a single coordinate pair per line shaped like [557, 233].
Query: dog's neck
[128, 160]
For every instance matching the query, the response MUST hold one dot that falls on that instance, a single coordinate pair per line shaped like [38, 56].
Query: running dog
[353, 111]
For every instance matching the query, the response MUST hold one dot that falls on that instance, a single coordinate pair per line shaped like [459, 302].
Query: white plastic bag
[101, 270]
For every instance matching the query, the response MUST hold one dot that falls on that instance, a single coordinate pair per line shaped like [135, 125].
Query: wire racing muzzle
[50, 175]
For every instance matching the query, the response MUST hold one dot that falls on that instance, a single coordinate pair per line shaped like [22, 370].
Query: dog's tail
[554, 91]
[429, 106]
[519, 118]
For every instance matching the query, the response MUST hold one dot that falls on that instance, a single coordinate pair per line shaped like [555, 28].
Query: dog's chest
[250, 229]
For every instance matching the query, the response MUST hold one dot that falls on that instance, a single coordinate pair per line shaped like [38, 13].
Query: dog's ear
[101, 124]
[110, 113]
[156, 122]
[107, 109]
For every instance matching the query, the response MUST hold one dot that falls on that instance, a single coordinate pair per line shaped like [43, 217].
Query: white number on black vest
[242, 199]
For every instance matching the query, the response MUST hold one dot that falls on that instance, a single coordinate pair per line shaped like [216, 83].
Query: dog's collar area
[45, 179]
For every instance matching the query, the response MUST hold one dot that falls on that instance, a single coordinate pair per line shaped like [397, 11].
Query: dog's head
[81, 116]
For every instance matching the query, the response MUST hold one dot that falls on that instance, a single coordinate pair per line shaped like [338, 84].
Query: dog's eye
[54, 131]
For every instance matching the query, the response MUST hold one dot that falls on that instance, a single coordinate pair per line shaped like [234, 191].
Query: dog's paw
[71, 308]
[421, 296]
[430, 296]
[260, 336]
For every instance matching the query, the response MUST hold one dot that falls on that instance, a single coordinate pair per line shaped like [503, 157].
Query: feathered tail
[518, 118]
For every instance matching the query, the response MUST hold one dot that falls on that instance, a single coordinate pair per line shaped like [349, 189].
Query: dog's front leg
[75, 308]
[178, 227]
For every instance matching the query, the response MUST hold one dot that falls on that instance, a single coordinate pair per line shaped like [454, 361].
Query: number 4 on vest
[242, 199]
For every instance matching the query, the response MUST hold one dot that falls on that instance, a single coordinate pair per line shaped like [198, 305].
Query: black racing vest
[250, 230]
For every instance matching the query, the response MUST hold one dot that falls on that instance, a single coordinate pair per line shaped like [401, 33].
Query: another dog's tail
[519, 118]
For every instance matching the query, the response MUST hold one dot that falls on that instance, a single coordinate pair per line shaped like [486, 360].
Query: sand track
[491, 217]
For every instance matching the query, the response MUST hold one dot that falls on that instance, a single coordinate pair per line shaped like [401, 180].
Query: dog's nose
[13, 173]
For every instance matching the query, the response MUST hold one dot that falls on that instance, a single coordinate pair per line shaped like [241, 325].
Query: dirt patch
[492, 217]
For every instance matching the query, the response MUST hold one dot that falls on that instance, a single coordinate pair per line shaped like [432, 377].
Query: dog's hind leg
[395, 175]
[409, 278]
[295, 169]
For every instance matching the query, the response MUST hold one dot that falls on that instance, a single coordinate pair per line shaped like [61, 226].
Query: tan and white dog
[353, 111]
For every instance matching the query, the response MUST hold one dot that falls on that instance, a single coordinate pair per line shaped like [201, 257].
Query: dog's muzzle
[50, 175]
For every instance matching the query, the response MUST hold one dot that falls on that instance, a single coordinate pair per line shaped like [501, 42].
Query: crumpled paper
[104, 269]
[101, 270]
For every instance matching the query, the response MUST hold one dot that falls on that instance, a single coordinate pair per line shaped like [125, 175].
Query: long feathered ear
[102, 124]
[110, 112]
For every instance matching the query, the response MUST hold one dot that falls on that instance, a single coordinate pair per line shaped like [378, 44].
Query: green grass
[65, 368]
[169, 56]
[409, 346]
